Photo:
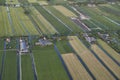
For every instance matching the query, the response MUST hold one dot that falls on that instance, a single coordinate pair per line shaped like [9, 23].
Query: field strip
[3, 61]
[107, 60]
[97, 69]
[76, 69]
[58, 19]
[112, 21]
[10, 20]
[109, 50]
[65, 11]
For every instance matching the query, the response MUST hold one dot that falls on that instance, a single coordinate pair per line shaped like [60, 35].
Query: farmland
[48, 65]
[93, 64]
[59, 40]
[116, 56]
[109, 62]
[75, 67]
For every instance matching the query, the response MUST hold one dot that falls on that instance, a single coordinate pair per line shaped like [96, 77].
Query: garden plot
[10, 66]
[76, 69]
[107, 60]
[65, 11]
[97, 69]
[44, 25]
[109, 50]
[48, 64]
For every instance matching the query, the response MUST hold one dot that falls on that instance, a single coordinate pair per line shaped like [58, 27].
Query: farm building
[43, 42]
[23, 46]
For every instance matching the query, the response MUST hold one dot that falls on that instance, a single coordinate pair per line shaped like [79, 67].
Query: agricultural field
[98, 18]
[96, 68]
[107, 60]
[58, 25]
[12, 2]
[59, 40]
[15, 25]
[46, 28]
[66, 21]
[76, 69]
[48, 64]
[9, 66]
[26, 66]
[65, 11]
[109, 50]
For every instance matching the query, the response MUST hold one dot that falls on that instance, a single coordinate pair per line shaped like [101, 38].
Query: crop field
[59, 40]
[107, 60]
[26, 66]
[66, 21]
[44, 25]
[100, 20]
[65, 11]
[48, 64]
[5, 29]
[110, 51]
[12, 24]
[96, 68]
[10, 66]
[61, 28]
[76, 69]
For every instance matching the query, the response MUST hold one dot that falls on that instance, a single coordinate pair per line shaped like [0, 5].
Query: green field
[57, 24]
[26, 66]
[48, 64]
[10, 66]
[64, 19]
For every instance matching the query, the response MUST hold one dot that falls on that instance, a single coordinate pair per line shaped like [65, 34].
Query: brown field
[111, 51]
[97, 69]
[76, 69]
[65, 11]
[107, 60]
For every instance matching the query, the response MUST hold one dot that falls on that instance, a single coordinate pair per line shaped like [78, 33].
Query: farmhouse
[23, 46]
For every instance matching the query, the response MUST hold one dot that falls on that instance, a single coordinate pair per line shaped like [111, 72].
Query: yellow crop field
[107, 60]
[97, 69]
[111, 51]
[65, 11]
[76, 69]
